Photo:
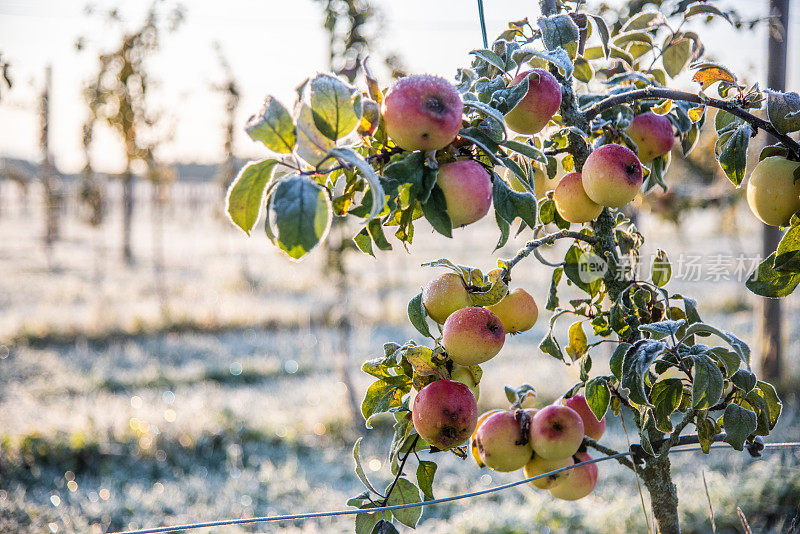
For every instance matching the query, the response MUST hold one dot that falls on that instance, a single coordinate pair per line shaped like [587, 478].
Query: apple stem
[725, 105]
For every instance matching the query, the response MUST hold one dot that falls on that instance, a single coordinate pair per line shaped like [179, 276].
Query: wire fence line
[313, 515]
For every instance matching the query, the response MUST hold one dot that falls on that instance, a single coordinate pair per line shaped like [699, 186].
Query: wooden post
[52, 200]
[769, 336]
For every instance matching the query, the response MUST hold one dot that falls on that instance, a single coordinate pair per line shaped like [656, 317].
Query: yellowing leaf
[663, 108]
[710, 73]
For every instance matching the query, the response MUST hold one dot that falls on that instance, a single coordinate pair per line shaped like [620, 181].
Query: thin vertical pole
[483, 23]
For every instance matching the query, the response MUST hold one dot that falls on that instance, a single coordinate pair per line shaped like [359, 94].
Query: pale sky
[272, 46]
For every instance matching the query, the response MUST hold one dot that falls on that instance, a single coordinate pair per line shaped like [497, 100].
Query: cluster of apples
[445, 412]
[541, 441]
[471, 334]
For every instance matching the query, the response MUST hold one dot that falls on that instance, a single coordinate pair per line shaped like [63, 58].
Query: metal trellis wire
[313, 515]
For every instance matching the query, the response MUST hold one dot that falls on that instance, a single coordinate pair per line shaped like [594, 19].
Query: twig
[400, 469]
[729, 106]
[589, 442]
[530, 246]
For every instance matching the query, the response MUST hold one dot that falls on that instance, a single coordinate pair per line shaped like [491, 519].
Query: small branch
[589, 442]
[316, 171]
[729, 106]
[530, 246]
[400, 469]
[675, 437]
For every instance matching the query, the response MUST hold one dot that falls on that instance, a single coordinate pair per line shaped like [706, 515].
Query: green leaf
[550, 346]
[661, 271]
[707, 382]
[558, 57]
[617, 358]
[783, 110]
[364, 242]
[375, 231]
[366, 522]
[405, 492]
[635, 366]
[598, 396]
[300, 211]
[417, 314]
[425, 473]
[526, 150]
[738, 423]
[666, 397]
[360, 470]
[336, 107]
[624, 38]
[351, 157]
[510, 204]
[558, 31]
[578, 268]
[380, 396]
[787, 255]
[772, 402]
[583, 70]
[733, 157]
[491, 58]
[706, 431]
[702, 8]
[643, 20]
[273, 126]
[662, 329]
[435, 211]
[744, 380]
[578, 344]
[676, 56]
[246, 193]
[770, 282]
[602, 29]
[552, 299]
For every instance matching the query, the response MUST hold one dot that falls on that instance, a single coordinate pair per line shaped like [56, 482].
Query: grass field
[217, 392]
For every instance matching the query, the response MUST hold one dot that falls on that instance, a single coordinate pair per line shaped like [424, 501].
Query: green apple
[443, 295]
[572, 202]
[772, 191]
[517, 311]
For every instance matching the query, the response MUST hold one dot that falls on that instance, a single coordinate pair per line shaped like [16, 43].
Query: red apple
[652, 134]
[500, 442]
[445, 413]
[467, 190]
[472, 336]
[591, 426]
[580, 483]
[422, 112]
[556, 432]
[472, 442]
[443, 295]
[612, 175]
[572, 202]
[539, 466]
[539, 104]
